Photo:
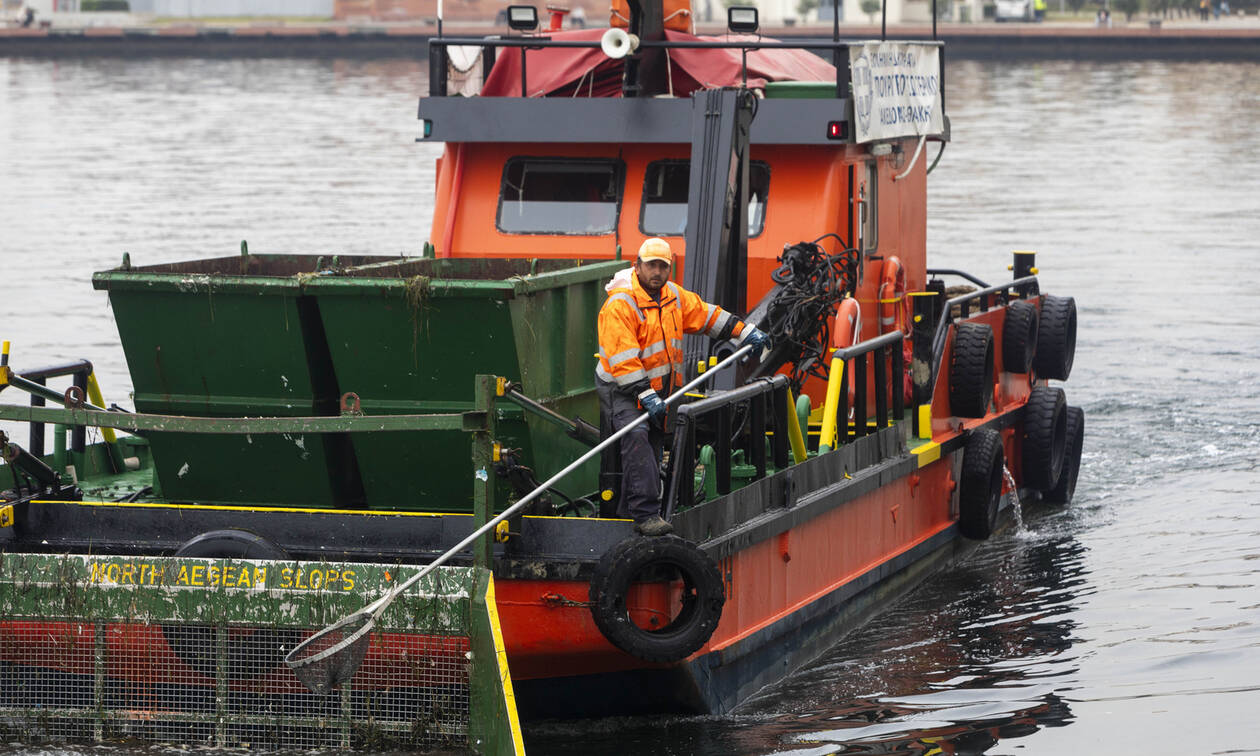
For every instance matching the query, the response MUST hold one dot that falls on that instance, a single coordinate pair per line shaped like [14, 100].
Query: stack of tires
[1037, 341]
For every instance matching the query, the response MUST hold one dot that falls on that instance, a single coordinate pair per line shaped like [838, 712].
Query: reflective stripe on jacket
[641, 339]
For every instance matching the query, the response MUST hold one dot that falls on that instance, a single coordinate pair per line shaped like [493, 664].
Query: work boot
[653, 526]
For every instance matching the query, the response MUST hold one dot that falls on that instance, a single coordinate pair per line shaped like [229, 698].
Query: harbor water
[1126, 622]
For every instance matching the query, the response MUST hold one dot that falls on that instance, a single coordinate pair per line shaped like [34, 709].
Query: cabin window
[560, 196]
[665, 186]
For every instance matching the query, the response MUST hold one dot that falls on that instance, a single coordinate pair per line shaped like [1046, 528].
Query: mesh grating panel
[156, 676]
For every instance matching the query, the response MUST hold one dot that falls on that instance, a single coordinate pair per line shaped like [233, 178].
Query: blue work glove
[655, 406]
[756, 339]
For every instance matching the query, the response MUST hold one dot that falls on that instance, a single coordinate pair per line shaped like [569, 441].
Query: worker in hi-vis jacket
[641, 326]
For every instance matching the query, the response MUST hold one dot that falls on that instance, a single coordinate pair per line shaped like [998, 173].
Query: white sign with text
[896, 90]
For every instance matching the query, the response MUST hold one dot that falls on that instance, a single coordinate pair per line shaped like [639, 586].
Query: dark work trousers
[640, 453]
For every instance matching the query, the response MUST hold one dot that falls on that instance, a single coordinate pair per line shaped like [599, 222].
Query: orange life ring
[892, 297]
[846, 330]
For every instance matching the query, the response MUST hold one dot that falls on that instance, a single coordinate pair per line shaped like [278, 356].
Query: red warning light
[837, 130]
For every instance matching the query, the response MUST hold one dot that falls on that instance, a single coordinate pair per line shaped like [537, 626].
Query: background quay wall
[339, 40]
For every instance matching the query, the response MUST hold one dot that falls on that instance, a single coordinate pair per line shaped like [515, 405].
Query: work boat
[425, 430]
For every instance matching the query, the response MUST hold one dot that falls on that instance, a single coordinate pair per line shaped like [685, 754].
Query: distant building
[774, 13]
[200, 8]
[229, 8]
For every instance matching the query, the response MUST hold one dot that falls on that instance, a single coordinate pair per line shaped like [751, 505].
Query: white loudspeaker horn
[617, 44]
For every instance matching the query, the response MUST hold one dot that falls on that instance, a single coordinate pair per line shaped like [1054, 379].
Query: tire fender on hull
[251, 654]
[1066, 487]
[638, 559]
[1044, 435]
[1019, 337]
[980, 488]
[971, 370]
[1056, 338]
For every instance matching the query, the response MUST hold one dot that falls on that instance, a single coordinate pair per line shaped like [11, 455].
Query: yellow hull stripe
[226, 508]
[300, 510]
[927, 453]
[500, 652]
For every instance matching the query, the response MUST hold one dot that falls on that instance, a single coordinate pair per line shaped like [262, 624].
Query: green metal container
[287, 335]
[233, 337]
[408, 338]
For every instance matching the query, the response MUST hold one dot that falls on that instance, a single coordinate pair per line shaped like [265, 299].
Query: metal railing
[998, 295]
[739, 420]
[736, 419]
[35, 382]
[438, 55]
[887, 360]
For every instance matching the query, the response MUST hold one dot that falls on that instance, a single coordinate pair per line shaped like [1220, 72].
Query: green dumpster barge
[306, 431]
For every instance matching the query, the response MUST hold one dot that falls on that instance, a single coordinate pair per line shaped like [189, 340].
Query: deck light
[522, 17]
[837, 130]
[742, 19]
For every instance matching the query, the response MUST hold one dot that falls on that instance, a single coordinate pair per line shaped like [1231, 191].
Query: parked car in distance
[1013, 10]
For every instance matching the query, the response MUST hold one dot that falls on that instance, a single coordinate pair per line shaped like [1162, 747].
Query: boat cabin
[599, 155]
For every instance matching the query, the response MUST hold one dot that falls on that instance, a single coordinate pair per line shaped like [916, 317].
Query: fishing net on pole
[331, 656]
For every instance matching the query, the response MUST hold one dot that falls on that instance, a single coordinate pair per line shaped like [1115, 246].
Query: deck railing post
[686, 478]
[437, 70]
[724, 450]
[881, 385]
[757, 434]
[898, 382]
[78, 435]
[488, 55]
[859, 396]
[778, 404]
[842, 406]
[926, 307]
[37, 429]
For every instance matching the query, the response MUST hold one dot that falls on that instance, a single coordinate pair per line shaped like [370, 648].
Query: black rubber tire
[251, 653]
[1056, 338]
[980, 490]
[703, 594]
[1019, 337]
[1066, 487]
[971, 370]
[1044, 437]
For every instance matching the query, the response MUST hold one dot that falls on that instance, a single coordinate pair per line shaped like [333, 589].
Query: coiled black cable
[799, 316]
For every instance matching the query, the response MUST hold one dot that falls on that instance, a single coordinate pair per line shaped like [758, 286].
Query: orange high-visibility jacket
[640, 338]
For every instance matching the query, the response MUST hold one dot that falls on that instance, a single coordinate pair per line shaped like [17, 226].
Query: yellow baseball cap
[656, 249]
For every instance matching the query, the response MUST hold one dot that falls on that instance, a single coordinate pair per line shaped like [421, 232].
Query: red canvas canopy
[587, 72]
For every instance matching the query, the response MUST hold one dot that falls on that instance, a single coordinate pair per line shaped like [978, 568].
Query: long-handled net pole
[332, 655]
